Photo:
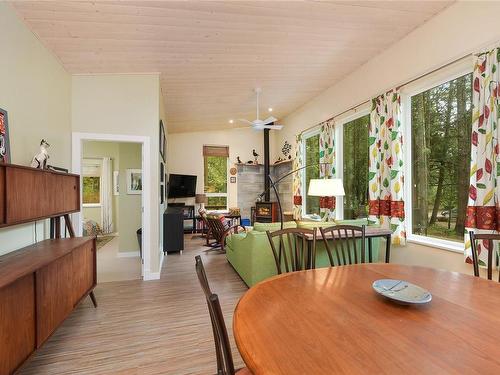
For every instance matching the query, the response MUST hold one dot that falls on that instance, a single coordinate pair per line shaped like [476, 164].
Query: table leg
[370, 260]
[387, 248]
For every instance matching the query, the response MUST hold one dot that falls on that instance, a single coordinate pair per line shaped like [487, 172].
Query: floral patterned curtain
[386, 165]
[297, 178]
[483, 208]
[327, 155]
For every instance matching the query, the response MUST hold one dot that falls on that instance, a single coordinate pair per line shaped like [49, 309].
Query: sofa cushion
[262, 227]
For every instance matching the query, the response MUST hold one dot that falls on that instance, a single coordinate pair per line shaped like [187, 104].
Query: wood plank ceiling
[211, 55]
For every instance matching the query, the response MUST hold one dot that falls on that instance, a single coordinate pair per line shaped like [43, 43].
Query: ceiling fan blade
[269, 120]
[275, 127]
[246, 121]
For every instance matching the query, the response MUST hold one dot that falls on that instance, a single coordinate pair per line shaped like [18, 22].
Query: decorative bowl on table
[402, 291]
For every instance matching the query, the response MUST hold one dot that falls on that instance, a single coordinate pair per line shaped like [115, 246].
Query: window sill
[91, 205]
[456, 247]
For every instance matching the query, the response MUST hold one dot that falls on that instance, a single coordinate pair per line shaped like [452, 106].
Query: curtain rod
[353, 108]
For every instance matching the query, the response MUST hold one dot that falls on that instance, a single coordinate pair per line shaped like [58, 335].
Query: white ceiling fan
[262, 124]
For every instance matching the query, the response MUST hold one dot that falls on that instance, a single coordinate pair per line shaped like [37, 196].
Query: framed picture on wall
[4, 138]
[163, 141]
[116, 183]
[134, 181]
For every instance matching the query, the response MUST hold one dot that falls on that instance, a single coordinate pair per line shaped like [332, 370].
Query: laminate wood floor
[153, 327]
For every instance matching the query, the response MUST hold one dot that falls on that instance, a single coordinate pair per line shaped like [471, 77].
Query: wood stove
[266, 212]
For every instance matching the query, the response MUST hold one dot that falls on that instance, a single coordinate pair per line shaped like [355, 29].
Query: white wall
[124, 104]
[35, 91]
[462, 28]
[185, 153]
[130, 216]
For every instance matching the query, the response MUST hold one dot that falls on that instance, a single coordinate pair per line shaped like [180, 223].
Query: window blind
[216, 151]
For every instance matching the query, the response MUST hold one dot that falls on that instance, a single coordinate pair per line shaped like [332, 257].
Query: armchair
[219, 229]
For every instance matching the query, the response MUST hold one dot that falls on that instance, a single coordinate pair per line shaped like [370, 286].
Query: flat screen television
[181, 186]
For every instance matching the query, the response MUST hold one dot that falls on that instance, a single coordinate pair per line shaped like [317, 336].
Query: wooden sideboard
[29, 194]
[41, 284]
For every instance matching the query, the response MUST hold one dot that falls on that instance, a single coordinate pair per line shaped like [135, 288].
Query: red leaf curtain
[386, 166]
[483, 208]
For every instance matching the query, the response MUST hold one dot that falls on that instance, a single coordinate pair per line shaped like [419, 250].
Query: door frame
[76, 166]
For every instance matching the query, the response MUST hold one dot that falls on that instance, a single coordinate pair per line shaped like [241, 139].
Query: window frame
[226, 194]
[308, 134]
[339, 149]
[407, 92]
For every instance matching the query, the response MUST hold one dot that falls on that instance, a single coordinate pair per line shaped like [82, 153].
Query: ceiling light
[270, 109]
[231, 121]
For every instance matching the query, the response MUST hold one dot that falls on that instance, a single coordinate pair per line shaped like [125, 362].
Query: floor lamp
[330, 189]
[327, 189]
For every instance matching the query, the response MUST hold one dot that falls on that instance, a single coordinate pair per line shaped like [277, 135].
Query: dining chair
[342, 241]
[291, 250]
[225, 364]
[486, 238]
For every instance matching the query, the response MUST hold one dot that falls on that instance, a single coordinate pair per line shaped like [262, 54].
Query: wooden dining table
[331, 321]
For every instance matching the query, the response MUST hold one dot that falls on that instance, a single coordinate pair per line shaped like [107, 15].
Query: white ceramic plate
[402, 291]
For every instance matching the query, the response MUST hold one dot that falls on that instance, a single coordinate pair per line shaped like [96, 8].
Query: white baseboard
[154, 275]
[128, 254]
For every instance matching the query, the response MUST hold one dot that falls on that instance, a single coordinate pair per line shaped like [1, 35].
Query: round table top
[331, 321]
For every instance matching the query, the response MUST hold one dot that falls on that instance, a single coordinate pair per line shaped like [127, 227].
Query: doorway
[114, 207]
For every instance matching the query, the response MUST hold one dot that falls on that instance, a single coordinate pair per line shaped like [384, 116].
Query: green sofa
[251, 256]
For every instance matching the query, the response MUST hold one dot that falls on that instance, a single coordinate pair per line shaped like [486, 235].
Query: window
[215, 173]
[355, 167]
[311, 157]
[91, 181]
[440, 120]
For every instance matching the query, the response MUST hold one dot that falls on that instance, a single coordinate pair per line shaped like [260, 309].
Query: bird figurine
[255, 155]
[238, 160]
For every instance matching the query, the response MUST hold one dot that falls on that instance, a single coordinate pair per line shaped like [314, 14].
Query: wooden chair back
[203, 215]
[488, 245]
[292, 251]
[341, 242]
[225, 365]
[217, 227]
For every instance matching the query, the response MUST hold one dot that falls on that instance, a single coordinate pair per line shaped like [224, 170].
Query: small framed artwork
[134, 181]
[163, 141]
[4, 137]
[116, 183]
[232, 180]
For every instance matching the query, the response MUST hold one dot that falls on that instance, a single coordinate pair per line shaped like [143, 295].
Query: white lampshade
[326, 187]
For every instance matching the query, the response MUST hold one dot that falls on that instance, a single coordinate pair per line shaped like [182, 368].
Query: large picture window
[440, 147]
[311, 157]
[215, 176]
[355, 167]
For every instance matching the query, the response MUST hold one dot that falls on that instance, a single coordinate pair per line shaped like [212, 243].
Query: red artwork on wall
[4, 138]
